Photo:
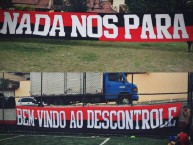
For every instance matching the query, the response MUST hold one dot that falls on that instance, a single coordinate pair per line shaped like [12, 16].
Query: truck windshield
[117, 77]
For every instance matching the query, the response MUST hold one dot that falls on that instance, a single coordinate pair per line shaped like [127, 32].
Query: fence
[161, 87]
[152, 87]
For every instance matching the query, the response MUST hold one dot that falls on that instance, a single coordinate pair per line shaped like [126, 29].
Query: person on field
[189, 45]
[186, 114]
[181, 139]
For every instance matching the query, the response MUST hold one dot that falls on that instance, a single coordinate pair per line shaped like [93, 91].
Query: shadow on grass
[161, 46]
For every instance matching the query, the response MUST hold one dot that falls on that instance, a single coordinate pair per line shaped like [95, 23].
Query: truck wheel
[125, 99]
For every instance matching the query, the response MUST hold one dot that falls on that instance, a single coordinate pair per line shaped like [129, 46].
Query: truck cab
[116, 87]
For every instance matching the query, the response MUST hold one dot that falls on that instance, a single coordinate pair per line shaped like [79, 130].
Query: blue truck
[87, 87]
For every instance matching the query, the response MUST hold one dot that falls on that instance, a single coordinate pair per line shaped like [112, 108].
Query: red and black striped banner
[98, 26]
[100, 119]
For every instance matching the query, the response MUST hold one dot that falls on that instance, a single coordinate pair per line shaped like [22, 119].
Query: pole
[84, 88]
[190, 101]
[3, 101]
[64, 84]
[132, 90]
[41, 87]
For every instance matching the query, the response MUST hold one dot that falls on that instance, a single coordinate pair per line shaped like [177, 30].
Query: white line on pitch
[11, 137]
[60, 136]
[107, 139]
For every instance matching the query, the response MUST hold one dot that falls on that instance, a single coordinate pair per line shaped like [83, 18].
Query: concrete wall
[9, 116]
[161, 83]
[23, 90]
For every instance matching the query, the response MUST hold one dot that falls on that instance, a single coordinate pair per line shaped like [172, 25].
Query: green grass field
[11, 139]
[33, 54]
